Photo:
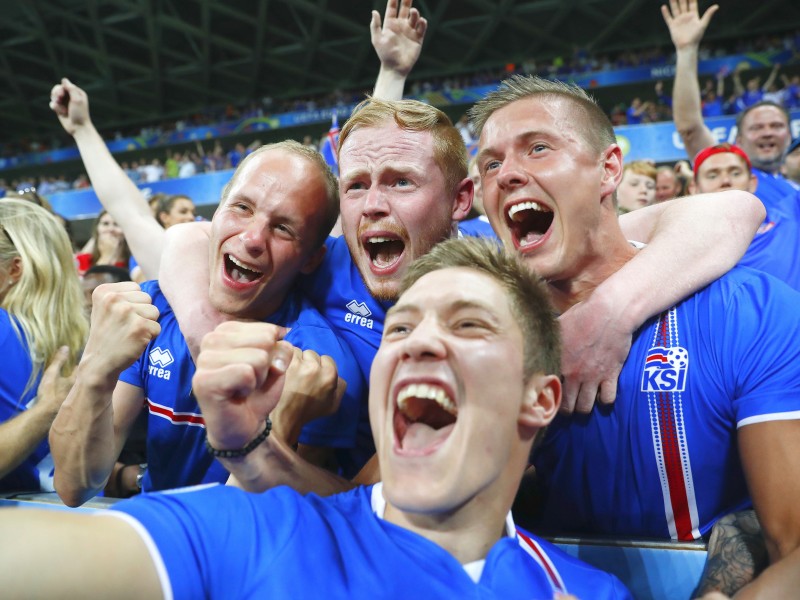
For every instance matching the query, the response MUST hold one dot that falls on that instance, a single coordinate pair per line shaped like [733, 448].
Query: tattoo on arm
[737, 554]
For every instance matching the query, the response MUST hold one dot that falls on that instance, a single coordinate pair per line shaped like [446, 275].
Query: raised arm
[20, 436]
[398, 42]
[736, 76]
[691, 242]
[95, 419]
[116, 192]
[773, 75]
[686, 28]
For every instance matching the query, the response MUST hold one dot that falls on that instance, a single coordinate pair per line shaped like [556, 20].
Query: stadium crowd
[388, 377]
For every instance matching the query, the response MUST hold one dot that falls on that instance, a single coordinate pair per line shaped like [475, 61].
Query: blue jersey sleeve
[762, 347]
[196, 529]
[133, 374]
[337, 430]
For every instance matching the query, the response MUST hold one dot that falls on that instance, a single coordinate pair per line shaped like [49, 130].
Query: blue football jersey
[477, 227]
[176, 452]
[662, 461]
[35, 473]
[775, 248]
[221, 542]
[776, 192]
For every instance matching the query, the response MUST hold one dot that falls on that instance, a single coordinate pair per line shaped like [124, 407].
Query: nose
[425, 342]
[511, 174]
[376, 204]
[254, 237]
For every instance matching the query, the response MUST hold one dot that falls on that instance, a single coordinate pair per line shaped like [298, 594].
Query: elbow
[70, 494]
[688, 130]
[753, 206]
[70, 497]
[781, 543]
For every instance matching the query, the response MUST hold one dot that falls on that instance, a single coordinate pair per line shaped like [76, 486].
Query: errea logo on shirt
[159, 360]
[665, 369]
[358, 314]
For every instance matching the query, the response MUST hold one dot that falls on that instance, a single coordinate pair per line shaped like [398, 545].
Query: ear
[462, 202]
[313, 262]
[612, 170]
[542, 401]
[15, 270]
[753, 184]
[692, 188]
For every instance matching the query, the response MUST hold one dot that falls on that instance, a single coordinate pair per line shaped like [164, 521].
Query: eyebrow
[453, 307]
[523, 137]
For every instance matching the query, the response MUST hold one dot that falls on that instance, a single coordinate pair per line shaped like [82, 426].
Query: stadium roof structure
[146, 60]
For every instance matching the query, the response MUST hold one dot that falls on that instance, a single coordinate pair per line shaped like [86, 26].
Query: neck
[466, 533]
[614, 252]
[771, 167]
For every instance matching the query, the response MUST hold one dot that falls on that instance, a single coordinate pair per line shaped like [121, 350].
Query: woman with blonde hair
[42, 322]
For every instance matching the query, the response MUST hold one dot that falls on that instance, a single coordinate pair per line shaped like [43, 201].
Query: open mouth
[424, 418]
[528, 222]
[767, 146]
[239, 272]
[384, 251]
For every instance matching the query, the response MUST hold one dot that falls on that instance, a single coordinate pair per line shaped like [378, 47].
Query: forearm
[389, 85]
[184, 280]
[122, 199]
[780, 580]
[686, 107]
[273, 464]
[20, 436]
[83, 442]
[736, 555]
[692, 242]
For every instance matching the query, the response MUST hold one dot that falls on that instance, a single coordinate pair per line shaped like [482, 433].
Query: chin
[417, 496]
[384, 291]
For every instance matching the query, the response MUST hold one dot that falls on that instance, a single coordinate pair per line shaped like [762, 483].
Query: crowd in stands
[656, 108]
[404, 371]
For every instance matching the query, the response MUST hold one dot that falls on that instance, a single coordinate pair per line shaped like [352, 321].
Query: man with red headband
[723, 167]
[775, 249]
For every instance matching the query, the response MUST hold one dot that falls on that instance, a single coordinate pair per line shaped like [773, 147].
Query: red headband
[719, 149]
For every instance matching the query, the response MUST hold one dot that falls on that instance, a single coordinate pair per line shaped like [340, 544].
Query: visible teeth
[526, 206]
[379, 240]
[241, 265]
[429, 392]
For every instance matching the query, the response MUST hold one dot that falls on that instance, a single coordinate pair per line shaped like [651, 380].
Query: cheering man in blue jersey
[465, 378]
[707, 415]
[272, 220]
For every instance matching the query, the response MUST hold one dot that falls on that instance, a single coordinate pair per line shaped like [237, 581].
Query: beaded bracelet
[242, 451]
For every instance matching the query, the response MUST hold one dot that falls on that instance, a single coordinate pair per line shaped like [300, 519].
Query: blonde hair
[641, 167]
[46, 303]
[449, 151]
[596, 128]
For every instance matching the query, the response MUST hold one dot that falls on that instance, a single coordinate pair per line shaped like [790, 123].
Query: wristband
[242, 451]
